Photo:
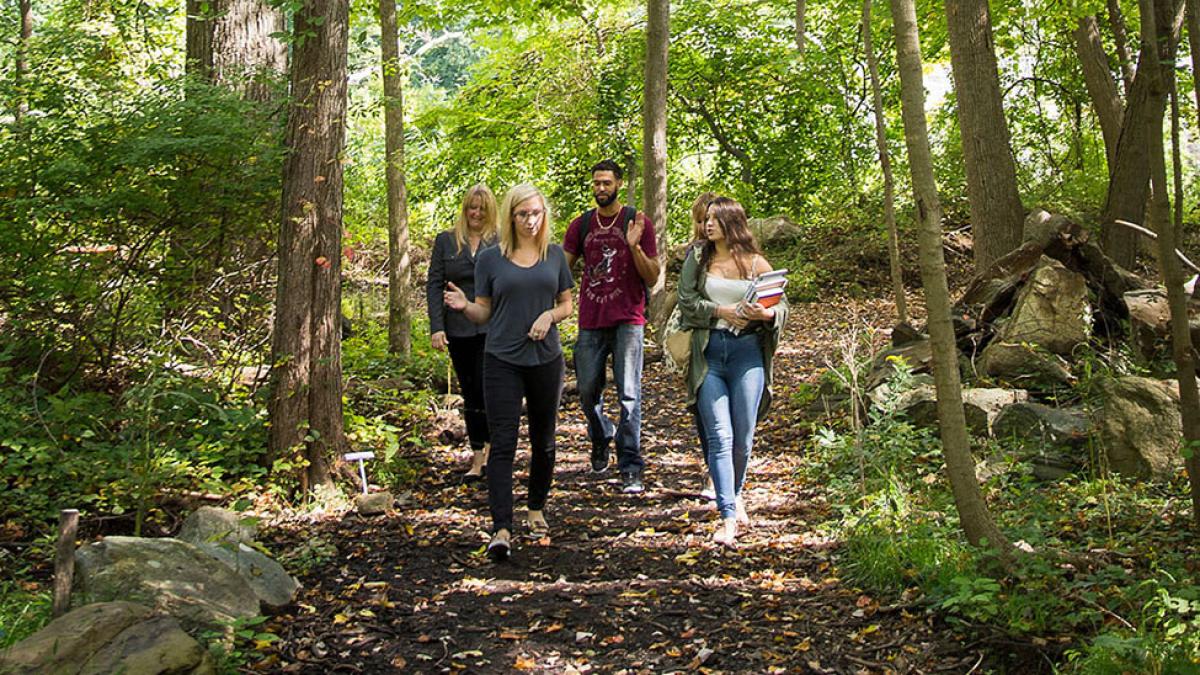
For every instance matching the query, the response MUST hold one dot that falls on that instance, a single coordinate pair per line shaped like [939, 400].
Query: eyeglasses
[527, 216]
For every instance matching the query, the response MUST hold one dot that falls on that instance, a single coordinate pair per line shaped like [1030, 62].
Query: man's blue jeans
[728, 405]
[624, 343]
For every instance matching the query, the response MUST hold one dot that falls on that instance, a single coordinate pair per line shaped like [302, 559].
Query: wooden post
[64, 560]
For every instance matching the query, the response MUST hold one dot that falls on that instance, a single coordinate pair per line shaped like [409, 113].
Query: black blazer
[447, 264]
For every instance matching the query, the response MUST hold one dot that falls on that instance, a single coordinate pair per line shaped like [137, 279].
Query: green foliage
[22, 612]
[232, 649]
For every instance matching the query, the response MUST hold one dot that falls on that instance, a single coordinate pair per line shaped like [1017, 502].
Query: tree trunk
[306, 406]
[230, 42]
[1121, 38]
[399, 270]
[631, 179]
[1172, 275]
[1101, 87]
[1193, 32]
[973, 513]
[1129, 176]
[21, 64]
[885, 162]
[801, 38]
[997, 216]
[654, 125]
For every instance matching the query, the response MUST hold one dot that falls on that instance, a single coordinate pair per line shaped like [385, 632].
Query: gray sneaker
[631, 483]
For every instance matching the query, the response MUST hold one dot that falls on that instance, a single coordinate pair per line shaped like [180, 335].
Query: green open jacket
[699, 313]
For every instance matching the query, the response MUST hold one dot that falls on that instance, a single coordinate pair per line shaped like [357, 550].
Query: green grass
[23, 611]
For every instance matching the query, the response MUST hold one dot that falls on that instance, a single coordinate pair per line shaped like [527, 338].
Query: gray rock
[70, 640]
[375, 503]
[1021, 364]
[981, 406]
[1053, 439]
[153, 647]
[209, 524]
[273, 586]
[773, 231]
[1140, 427]
[1149, 321]
[918, 355]
[1052, 309]
[170, 575]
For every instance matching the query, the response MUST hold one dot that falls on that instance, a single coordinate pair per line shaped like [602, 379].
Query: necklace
[600, 220]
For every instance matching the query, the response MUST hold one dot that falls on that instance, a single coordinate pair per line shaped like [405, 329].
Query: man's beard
[605, 201]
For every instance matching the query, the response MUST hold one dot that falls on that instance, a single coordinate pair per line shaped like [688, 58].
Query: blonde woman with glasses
[522, 290]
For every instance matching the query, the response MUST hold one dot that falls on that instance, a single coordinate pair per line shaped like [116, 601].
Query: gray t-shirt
[519, 295]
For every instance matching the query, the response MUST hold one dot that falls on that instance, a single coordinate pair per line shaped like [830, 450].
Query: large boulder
[918, 355]
[1140, 428]
[1052, 309]
[272, 585]
[209, 524]
[774, 231]
[109, 637]
[1016, 363]
[1054, 439]
[981, 406]
[1149, 321]
[167, 574]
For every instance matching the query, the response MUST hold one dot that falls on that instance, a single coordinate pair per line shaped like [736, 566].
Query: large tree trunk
[1172, 274]
[885, 162]
[1101, 87]
[232, 42]
[399, 272]
[306, 406]
[1129, 175]
[973, 513]
[997, 216]
[654, 125]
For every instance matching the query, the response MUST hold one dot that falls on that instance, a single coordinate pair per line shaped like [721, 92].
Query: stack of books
[766, 289]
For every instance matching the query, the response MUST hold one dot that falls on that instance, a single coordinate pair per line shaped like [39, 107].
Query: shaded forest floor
[623, 583]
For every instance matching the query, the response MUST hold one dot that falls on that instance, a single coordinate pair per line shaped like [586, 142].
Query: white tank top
[725, 292]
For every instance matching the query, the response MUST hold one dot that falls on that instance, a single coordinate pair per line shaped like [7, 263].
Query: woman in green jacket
[733, 344]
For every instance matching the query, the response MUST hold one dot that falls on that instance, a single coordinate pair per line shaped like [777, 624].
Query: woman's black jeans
[504, 385]
[466, 353]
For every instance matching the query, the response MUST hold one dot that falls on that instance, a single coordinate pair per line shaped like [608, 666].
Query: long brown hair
[738, 236]
[699, 213]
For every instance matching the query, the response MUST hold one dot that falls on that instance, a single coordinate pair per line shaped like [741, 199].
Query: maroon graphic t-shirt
[611, 291]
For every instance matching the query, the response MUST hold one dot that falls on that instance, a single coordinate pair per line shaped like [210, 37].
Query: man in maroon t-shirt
[620, 258]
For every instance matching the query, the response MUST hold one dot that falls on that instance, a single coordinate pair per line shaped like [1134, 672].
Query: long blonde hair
[508, 232]
[488, 201]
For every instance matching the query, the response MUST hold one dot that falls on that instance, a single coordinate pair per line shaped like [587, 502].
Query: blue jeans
[624, 343]
[728, 405]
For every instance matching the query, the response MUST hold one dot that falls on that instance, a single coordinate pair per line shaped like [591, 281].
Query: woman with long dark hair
[453, 262]
[733, 344]
[523, 286]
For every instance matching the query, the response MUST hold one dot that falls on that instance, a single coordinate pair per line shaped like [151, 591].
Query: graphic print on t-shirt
[604, 266]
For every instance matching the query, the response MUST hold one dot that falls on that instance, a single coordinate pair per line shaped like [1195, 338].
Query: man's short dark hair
[609, 165]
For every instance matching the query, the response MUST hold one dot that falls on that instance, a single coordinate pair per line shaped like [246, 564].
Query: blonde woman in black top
[453, 262]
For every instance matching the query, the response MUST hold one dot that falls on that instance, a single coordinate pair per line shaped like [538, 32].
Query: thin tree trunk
[1193, 32]
[631, 179]
[973, 513]
[801, 37]
[885, 162]
[997, 216]
[21, 65]
[399, 271]
[1121, 38]
[1129, 176]
[654, 123]
[1102, 89]
[305, 406]
[1173, 278]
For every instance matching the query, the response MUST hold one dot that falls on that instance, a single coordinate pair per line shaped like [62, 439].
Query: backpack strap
[628, 213]
[584, 226]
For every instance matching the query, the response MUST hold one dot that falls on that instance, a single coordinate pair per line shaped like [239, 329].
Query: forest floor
[623, 583]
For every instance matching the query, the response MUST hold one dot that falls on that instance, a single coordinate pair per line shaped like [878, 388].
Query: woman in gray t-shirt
[522, 289]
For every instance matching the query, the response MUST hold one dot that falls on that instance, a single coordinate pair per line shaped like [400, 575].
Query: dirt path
[624, 583]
